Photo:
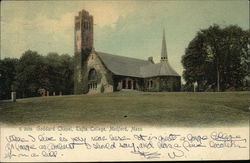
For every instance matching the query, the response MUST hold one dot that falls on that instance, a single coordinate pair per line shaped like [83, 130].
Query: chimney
[150, 59]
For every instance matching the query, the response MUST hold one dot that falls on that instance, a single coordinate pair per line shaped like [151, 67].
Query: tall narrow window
[77, 25]
[129, 84]
[86, 25]
[124, 84]
[92, 75]
[151, 83]
[134, 84]
[92, 79]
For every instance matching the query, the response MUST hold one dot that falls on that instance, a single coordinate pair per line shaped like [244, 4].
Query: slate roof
[126, 66]
[159, 69]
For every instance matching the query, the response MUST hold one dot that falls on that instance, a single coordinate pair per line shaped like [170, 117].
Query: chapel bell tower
[84, 37]
[83, 31]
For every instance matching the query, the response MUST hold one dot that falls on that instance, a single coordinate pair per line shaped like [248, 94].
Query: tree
[7, 77]
[34, 72]
[236, 49]
[67, 72]
[31, 71]
[217, 57]
[61, 73]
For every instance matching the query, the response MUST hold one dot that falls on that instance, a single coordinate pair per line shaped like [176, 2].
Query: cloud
[130, 28]
[57, 27]
[52, 19]
[42, 33]
[106, 13]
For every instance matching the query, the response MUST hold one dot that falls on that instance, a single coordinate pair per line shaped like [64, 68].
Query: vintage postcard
[126, 80]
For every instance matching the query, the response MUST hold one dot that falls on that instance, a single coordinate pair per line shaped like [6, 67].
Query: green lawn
[139, 108]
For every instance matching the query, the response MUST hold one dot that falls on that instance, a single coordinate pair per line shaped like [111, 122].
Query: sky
[128, 28]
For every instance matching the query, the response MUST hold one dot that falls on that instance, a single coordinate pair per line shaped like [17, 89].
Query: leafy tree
[31, 71]
[61, 73]
[67, 73]
[54, 66]
[7, 77]
[217, 57]
[236, 50]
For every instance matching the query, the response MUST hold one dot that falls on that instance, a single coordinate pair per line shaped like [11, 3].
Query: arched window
[150, 83]
[92, 79]
[92, 75]
[89, 26]
[86, 25]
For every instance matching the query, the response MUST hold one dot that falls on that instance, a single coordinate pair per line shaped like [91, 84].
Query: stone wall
[77, 73]
[80, 71]
[126, 82]
[83, 45]
[170, 83]
[104, 80]
[152, 84]
[163, 83]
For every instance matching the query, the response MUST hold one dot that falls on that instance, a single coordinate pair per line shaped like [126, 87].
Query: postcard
[88, 81]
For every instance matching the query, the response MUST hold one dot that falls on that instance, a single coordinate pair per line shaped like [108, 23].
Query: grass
[184, 109]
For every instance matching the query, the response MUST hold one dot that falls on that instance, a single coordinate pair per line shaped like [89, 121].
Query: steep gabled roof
[159, 69]
[126, 66]
[120, 65]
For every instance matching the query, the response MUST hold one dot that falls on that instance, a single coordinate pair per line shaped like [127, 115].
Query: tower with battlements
[84, 37]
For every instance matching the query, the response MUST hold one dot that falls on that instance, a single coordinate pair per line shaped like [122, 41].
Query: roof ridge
[127, 66]
[122, 56]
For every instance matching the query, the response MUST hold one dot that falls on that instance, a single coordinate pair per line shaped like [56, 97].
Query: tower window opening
[77, 25]
[86, 25]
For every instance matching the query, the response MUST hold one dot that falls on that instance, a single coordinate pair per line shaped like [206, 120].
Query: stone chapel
[99, 72]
